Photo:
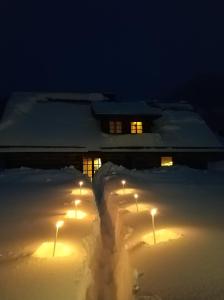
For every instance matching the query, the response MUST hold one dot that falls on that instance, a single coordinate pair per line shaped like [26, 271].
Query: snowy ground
[31, 202]
[187, 261]
[185, 264]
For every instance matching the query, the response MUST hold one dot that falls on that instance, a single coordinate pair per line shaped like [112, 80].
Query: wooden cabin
[53, 130]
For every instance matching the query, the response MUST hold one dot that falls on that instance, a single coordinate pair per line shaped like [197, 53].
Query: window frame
[136, 127]
[115, 127]
[166, 161]
[90, 165]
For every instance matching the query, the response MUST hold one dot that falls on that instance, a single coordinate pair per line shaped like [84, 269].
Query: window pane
[166, 161]
[115, 126]
[87, 166]
[136, 127]
[97, 164]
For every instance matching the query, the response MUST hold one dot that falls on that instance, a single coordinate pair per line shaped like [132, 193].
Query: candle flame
[153, 211]
[59, 224]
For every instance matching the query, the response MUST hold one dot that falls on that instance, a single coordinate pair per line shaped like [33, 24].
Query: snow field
[31, 202]
[187, 261]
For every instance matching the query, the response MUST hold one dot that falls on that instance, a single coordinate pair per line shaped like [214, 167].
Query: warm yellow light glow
[132, 207]
[77, 202]
[153, 211]
[85, 191]
[136, 127]
[128, 191]
[162, 235]
[123, 182]
[59, 224]
[166, 161]
[88, 166]
[45, 250]
[91, 165]
[80, 183]
[136, 196]
[75, 214]
[97, 164]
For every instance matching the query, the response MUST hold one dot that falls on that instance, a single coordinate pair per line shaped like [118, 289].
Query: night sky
[130, 48]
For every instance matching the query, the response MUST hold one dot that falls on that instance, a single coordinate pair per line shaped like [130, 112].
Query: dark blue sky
[127, 47]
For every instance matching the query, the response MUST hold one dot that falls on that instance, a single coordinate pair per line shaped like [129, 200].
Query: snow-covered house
[87, 129]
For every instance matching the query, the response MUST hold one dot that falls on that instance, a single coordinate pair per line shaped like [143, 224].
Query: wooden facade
[134, 159]
[111, 122]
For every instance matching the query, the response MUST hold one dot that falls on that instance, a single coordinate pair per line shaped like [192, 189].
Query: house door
[91, 165]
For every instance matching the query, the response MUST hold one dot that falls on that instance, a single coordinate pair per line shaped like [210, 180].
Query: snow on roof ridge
[124, 107]
[72, 96]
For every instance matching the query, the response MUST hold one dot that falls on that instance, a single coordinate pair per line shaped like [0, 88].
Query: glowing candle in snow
[76, 202]
[80, 186]
[58, 225]
[123, 182]
[153, 213]
[136, 201]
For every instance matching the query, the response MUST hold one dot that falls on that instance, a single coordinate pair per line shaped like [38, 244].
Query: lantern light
[153, 213]
[76, 202]
[136, 201]
[58, 225]
[123, 182]
[80, 186]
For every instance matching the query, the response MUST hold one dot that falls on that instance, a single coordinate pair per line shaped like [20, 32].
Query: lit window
[166, 161]
[90, 166]
[136, 127]
[97, 164]
[115, 127]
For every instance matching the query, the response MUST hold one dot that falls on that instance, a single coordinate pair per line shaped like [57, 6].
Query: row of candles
[60, 223]
[153, 211]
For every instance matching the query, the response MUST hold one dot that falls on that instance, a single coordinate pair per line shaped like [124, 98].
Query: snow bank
[121, 268]
[186, 261]
[31, 203]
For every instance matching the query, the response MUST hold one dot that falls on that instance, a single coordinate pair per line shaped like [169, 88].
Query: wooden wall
[138, 160]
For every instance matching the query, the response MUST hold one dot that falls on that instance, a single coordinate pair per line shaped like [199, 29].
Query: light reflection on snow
[73, 214]
[45, 250]
[162, 235]
[133, 209]
[84, 192]
[125, 191]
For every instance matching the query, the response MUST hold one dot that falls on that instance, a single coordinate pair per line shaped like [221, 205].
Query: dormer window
[136, 127]
[115, 127]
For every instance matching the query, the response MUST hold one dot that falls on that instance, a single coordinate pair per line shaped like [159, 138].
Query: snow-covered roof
[33, 123]
[61, 96]
[125, 108]
[185, 128]
[177, 106]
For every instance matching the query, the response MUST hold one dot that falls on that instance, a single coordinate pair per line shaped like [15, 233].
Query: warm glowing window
[87, 167]
[136, 127]
[90, 166]
[97, 164]
[166, 161]
[115, 127]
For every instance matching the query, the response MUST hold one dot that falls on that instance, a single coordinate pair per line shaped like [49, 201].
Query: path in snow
[116, 277]
[107, 289]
